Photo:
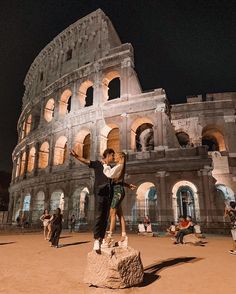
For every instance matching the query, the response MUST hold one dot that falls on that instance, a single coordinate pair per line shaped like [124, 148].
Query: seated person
[149, 227]
[186, 227]
[141, 228]
[172, 229]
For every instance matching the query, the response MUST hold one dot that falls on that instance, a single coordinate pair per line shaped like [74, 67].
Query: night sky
[186, 47]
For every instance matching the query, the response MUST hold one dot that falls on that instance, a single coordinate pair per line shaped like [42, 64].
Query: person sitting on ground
[149, 227]
[172, 229]
[186, 227]
[141, 228]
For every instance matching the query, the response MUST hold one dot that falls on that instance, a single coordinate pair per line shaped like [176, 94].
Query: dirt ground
[29, 265]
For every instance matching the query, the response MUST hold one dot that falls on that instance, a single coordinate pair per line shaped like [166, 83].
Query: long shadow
[150, 271]
[6, 243]
[64, 237]
[75, 243]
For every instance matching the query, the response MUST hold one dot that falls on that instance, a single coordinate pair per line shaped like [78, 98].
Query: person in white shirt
[117, 175]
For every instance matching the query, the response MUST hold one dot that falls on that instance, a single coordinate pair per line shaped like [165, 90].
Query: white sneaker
[123, 242]
[96, 245]
[107, 242]
[232, 252]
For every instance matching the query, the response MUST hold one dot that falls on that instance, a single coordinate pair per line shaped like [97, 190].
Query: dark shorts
[118, 195]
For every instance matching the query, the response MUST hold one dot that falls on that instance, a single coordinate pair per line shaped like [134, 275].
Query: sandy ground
[29, 265]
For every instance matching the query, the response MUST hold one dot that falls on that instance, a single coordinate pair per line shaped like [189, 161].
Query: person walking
[56, 227]
[72, 223]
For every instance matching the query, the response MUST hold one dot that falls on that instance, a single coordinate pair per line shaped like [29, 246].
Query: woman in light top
[117, 174]
[45, 218]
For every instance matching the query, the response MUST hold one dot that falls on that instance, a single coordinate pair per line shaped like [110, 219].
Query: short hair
[108, 151]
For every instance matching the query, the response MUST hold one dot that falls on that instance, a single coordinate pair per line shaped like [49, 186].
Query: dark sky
[186, 47]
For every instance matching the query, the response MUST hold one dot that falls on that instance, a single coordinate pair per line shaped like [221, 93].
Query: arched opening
[86, 94]
[185, 200]
[113, 140]
[57, 200]
[65, 102]
[18, 167]
[60, 151]
[26, 203]
[83, 143]
[81, 203]
[38, 206]
[49, 110]
[111, 85]
[22, 165]
[43, 155]
[213, 139]
[114, 89]
[31, 159]
[146, 202]
[144, 137]
[86, 147]
[183, 139]
[23, 130]
[28, 124]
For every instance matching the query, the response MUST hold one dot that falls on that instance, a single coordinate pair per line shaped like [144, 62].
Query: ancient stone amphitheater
[82, 92]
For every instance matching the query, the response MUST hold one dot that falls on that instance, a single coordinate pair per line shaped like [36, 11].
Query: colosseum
[82, 92]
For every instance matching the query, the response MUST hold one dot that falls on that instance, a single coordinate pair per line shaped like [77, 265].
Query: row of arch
[185, 201]
[212, 137]
[85, 94]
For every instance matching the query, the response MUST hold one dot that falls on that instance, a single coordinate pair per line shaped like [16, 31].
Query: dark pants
[55, 234]
[102, 209]
[180, 235]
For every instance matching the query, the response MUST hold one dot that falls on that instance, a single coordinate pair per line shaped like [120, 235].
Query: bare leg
[45, 232]
[122, 220]
[112, 220]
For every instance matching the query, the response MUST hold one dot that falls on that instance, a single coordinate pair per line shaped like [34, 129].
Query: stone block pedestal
[114, 268]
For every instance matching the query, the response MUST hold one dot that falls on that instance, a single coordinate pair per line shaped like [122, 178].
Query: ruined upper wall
[83, 42]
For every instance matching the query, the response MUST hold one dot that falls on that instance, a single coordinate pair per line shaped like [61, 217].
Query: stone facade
[82, 92]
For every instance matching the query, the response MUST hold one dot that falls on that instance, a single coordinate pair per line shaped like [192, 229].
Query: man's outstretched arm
[81, 159]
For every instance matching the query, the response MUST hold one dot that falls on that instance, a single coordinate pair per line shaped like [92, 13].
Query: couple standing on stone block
[109, 192]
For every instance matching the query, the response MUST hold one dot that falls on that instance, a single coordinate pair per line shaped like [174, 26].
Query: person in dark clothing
[72, 223]
[102, 192]
[56, 227]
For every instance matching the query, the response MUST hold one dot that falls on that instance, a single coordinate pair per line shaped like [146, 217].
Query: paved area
[29, 265]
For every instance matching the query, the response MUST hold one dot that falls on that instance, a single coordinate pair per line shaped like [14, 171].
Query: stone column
[26, 161]
[165, 207]
[126, 72]
[10, 208]
[36, 160]
[209, 207]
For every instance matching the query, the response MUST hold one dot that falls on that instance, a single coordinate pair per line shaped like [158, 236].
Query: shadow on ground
[64, 237]
[150, 271]
[6, 243]
[75, 243]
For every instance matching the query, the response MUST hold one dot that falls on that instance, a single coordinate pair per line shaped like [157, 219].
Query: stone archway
[146, 202]
[57, 200]
[185, 200]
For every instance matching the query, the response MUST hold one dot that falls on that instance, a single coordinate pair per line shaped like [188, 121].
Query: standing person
[45, 218]
[230, 211]
[72, 223]
[117, 174]
[56, 227]
[102, 192]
